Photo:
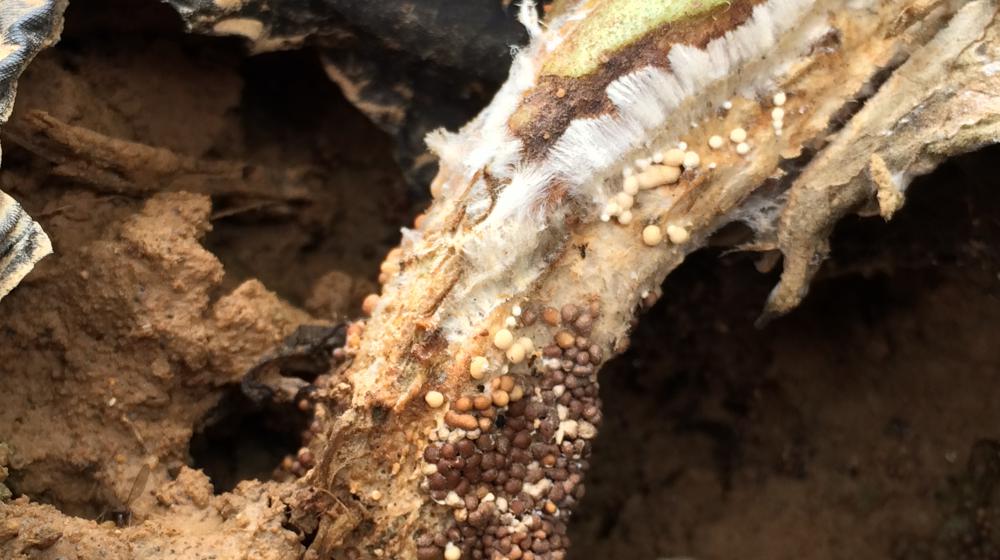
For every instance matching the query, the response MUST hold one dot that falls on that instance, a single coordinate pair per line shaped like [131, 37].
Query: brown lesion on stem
[547, 110]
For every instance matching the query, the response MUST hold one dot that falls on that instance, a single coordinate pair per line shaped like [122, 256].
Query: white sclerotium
[631, 184]
[674, 157]
[624, 200]
[715, 142]
[478, 367]
[677, 234]
[658, 176]
[691, 160]
[503, 339]
[516, 353]
[779, 99]
[743, 148]
[651, 235]
[737, 135]
[434, 399]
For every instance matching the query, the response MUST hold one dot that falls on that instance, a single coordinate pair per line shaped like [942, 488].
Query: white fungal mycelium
[592, 159]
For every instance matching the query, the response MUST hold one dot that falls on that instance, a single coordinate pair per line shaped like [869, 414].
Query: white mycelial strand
[648, 103]
[528, 16]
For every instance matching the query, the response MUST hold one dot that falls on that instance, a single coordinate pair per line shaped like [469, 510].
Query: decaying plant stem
[462, 426]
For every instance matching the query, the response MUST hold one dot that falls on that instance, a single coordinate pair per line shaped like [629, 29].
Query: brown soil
[864, 425]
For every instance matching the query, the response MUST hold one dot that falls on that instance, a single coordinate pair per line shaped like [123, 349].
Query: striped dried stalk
[22, 244]
[627, 133]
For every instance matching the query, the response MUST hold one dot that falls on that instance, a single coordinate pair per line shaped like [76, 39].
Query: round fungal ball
[657, 157]
[516, 393]
[527, 344]
[779, 98]
[743, 148]
[370, 303]
[503, 339]
[737, 135]
[624, 200]
[631, 184]
[674, 157]
[434, 399]
[777, 114]
[691, 160]
[625, 218]
[715, 142]
[651, 235]
[677, 234]
[565, 339]
[515, 353]
[478, 367]
[612, 208]
[452, 552]
[658, 176]
[501, 398]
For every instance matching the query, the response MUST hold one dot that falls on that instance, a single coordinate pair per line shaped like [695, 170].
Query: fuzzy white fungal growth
[648, 107]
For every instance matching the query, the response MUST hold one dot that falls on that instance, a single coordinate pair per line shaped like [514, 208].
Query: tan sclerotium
[511, 480]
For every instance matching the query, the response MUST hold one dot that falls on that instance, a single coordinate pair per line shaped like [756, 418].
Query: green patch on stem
[613, 25]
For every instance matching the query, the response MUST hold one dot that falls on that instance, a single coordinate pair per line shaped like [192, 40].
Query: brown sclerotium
[510, 458]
